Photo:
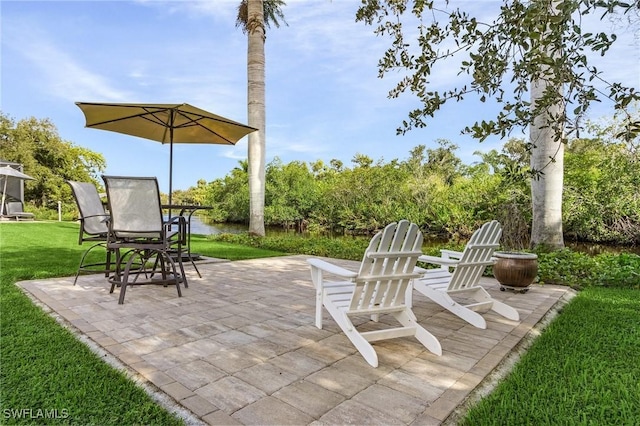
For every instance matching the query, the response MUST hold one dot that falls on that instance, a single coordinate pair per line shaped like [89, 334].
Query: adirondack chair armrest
[331, 268]
[419, 270]
[438, 260]
[451, 254]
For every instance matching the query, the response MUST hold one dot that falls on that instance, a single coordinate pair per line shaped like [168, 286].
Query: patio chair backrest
[93, 217]
[476, 256]
[13, 207]
[387, 268]
[135, 206]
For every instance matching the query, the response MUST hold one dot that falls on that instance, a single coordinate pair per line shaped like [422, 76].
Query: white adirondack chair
[379, 287]
[441, 285]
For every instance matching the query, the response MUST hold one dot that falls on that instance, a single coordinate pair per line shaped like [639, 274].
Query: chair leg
[167, 260]
[505, 310]
[175, 273]
[108, 263]
[117, 273]
[428, 340]
[194, 267]
[82, 265]
[125, 276]
[181, 265]
[358, 340]
[316, 278]
[443, 299]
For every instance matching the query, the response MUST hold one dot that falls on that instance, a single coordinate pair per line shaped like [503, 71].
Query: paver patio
[240, 347]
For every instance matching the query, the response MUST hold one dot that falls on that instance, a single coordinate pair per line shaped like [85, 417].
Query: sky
[324, 99]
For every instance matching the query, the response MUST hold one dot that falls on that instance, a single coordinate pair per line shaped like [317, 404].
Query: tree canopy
[47, 158]
[499, 59]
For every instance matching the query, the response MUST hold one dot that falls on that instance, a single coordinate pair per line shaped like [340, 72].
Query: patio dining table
[187, 211]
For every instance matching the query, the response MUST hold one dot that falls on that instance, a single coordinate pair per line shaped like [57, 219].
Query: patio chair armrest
[105, 216]
[182, 227]
[331, 268]
[174, 220]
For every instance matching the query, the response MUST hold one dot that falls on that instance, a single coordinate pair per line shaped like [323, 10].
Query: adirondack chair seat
[459, 275]
[379, 287]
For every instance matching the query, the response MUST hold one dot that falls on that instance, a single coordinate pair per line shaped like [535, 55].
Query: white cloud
[59, 73]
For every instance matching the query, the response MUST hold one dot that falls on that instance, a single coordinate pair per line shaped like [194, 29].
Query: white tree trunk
[547, 156]
[257, 113]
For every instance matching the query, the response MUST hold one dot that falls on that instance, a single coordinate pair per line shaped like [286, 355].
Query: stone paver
[240, 346]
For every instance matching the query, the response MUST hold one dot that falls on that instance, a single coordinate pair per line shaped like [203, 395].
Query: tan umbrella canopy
[165, 123]
[6, 172]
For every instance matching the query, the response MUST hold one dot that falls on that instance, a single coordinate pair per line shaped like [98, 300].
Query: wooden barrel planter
[515, 270]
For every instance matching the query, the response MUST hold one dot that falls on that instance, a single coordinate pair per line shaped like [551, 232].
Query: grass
[583, 369]
[42, 365]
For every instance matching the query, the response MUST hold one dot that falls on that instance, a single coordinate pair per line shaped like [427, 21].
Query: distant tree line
[432, 187]
[444, 196]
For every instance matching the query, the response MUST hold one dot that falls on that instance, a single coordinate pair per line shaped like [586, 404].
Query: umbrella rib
[144, 116]
[196, 122]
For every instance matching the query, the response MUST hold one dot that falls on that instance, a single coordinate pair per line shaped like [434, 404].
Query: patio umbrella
[6, 172]
[164, 123]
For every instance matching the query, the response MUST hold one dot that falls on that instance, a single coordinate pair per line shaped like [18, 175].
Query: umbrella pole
[170, 173]
[4, 193]
[171, 161]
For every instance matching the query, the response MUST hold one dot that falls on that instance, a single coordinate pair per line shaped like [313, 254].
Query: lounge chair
[93, 225]
[441, 285]
[140, 237]
[379, 287]
[15, 210]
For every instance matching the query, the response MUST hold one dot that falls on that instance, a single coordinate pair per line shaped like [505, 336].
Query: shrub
[580, 270]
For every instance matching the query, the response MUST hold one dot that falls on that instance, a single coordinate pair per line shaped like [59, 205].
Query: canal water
[200, 227]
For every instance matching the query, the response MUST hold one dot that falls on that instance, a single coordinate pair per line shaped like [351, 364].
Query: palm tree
[254, 17]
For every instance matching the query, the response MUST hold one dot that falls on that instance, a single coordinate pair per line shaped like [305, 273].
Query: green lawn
[584, 368]
[42, 366]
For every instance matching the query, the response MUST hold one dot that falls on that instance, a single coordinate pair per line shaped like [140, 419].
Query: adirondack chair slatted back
[387, 268]
[476, 256]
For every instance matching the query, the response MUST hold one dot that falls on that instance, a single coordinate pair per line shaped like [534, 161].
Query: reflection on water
[595, 249]
[198, 226]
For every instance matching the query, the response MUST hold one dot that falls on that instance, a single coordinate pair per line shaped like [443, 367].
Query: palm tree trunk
[257, 113]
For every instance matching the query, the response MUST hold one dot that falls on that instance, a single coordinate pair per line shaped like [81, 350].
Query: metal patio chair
[140, 237]
[15, 210]
[93, 226]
